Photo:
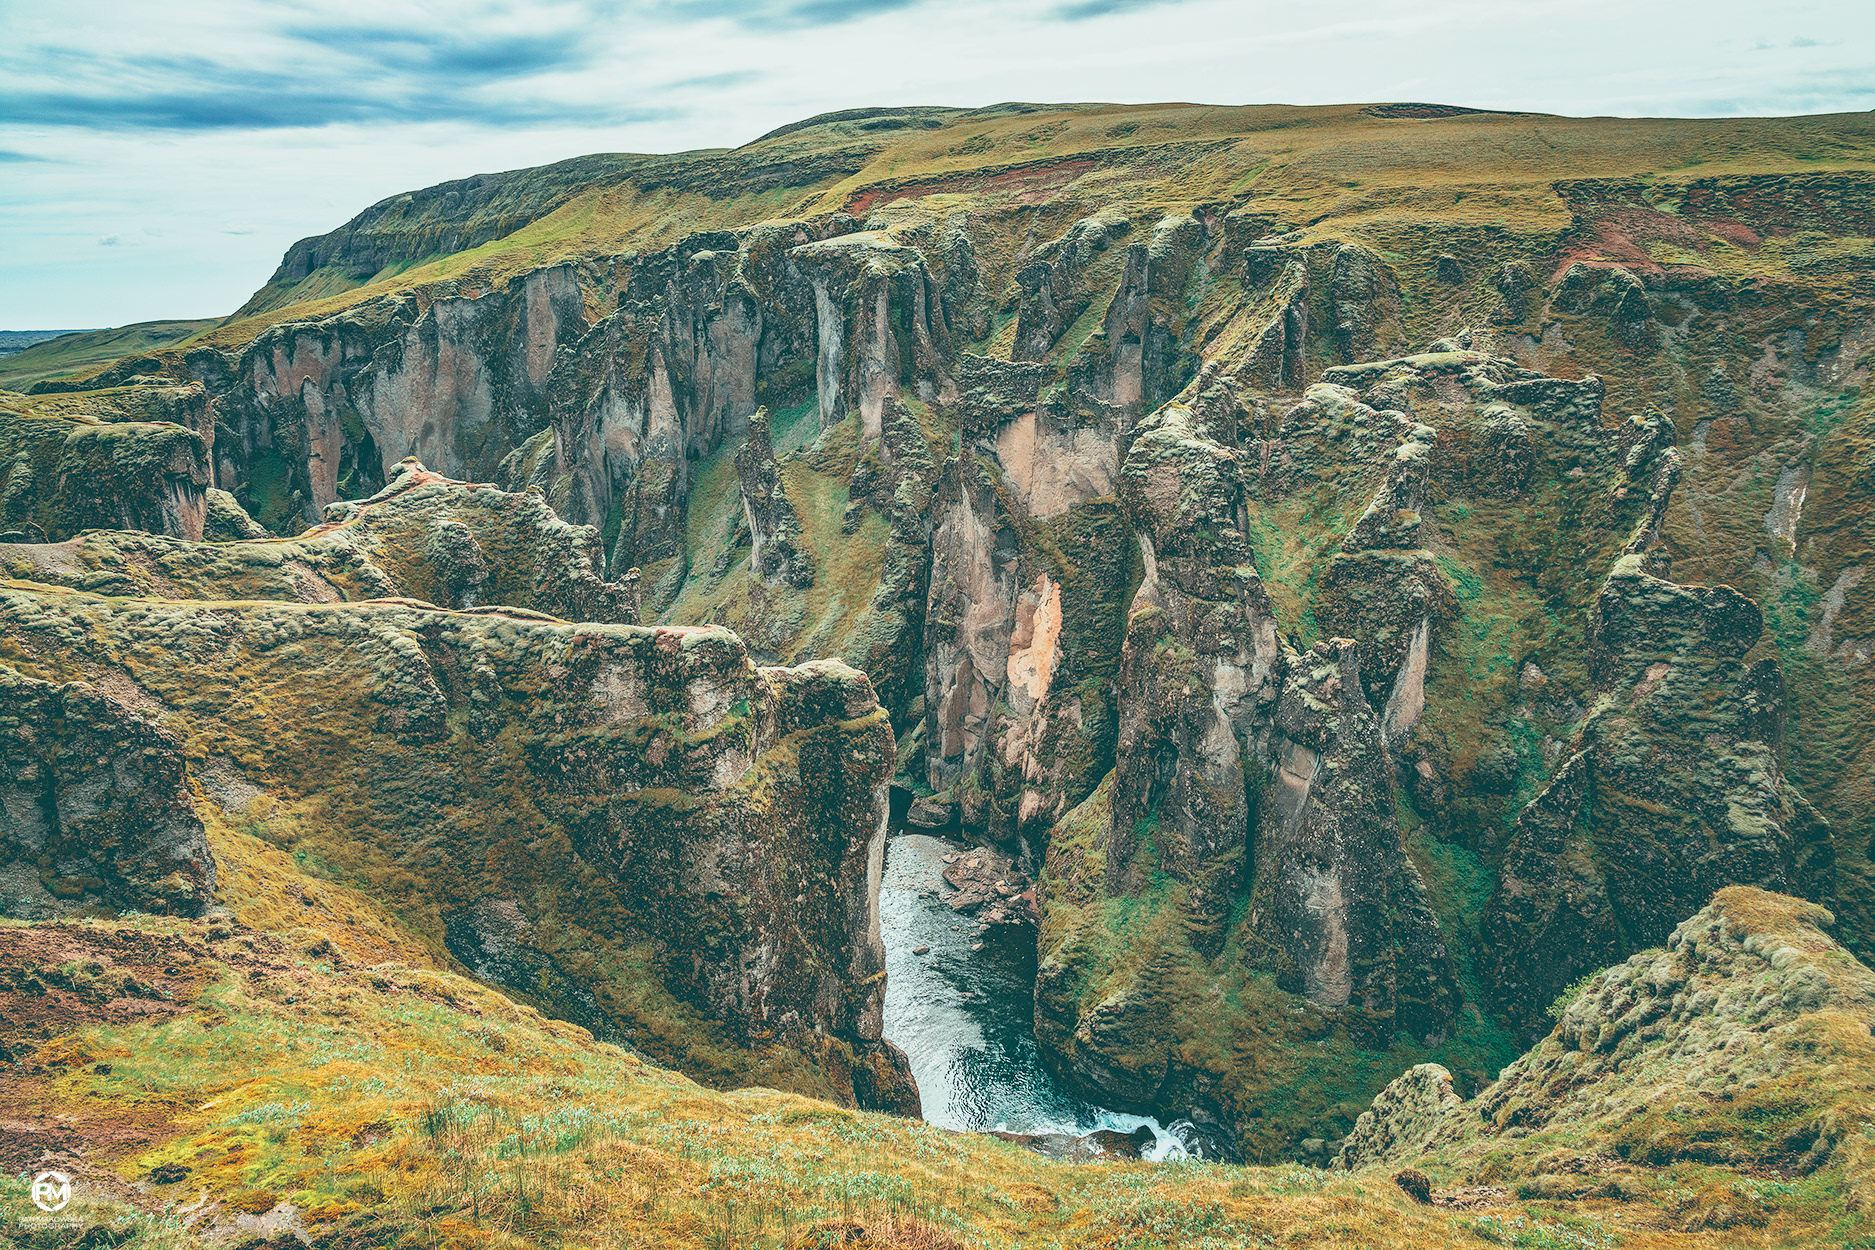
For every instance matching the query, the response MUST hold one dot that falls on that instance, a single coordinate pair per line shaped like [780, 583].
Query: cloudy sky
[156, 159]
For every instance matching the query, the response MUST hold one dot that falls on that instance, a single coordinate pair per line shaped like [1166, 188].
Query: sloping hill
[84, 350]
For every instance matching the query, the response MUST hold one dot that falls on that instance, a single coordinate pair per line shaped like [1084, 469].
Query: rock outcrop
[1338, 903]
[95, 805]
[1200, 665]
[716, 829]
[1743, 1042]
[1673, 788]
[130, 458]
[1404, 1117]
[881, 325]
[777, 556]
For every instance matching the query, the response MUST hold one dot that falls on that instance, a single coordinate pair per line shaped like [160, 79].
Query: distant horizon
[159, 162]
[1045, 104]
[259, 277]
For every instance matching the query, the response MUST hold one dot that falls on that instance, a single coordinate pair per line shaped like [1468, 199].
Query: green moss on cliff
[433, 762]
[1185, 1028]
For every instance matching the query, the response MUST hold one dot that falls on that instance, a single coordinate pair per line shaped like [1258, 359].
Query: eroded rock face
[968, 622]
[644, 792]
[1277, 798]
[130, 458]
[95, 806]
[1336, 894]
[1674, 788]
[1199, 666]
[1243, 769]
[666, 379]
[323, 411]
[901, 488]
[778, 557]
[881, 325]
[1060, 281]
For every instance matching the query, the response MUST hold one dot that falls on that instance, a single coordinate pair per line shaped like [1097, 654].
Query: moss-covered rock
[693, 842]
[95, 804]
[130, 458]
[1673, 788]
[1744, 1041]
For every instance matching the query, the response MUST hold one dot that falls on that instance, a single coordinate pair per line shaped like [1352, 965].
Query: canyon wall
[636, 828]
[1369, 622]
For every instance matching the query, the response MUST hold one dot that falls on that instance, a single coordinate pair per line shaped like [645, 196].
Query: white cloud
[233, 127]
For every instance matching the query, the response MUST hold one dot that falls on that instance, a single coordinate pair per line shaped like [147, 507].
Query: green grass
[411, 1107]
[84, 350]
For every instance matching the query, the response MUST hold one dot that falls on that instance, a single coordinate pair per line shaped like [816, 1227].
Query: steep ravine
[1374, 618]
[963, 1013]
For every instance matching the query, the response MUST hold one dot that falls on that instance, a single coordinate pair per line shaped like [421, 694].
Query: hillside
[268, 1085]
[79, 351]
[1369, 570]
[12, 341]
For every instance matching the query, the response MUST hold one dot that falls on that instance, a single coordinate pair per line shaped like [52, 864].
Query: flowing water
[966, 1019]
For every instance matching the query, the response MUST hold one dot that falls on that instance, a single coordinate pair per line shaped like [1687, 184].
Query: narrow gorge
[1358, 574]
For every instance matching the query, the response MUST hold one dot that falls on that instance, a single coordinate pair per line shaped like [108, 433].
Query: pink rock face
[456, 383]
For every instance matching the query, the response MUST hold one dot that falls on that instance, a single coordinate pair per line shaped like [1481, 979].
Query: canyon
[1372, 570]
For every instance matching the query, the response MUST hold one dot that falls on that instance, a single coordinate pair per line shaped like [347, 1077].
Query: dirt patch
[57, 979]
[32, 1136]
[1620, 238]
[1741, 210]
[119, 687]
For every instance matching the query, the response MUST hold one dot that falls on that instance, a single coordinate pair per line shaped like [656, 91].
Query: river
[966, 1019]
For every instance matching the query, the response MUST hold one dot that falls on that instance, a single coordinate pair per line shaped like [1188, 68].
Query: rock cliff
[673, 845]
[132, 458]
[1742, 1042]
[1366, 609]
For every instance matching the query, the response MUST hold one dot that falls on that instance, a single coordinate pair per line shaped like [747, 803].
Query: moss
[397, 1101]
[267, 493]
[1279, 1069]
[419, 717]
